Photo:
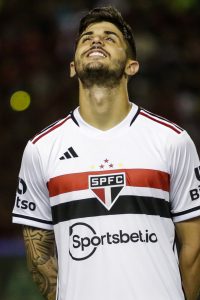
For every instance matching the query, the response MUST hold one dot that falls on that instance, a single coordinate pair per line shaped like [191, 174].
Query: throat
[104, 107]
[104, 113]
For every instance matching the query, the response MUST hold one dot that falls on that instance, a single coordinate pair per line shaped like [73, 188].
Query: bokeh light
[20, 101]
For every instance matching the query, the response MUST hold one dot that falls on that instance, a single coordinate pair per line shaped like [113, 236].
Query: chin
[98, 73]
[96, 65]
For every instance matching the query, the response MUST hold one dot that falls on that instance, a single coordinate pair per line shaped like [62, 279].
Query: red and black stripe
[161, 121]
[134, 177]
[92, 207]
[49, 129]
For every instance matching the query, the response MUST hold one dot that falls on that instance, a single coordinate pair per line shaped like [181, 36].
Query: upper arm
[39, 244]
[188, 233]
[184, 179]
[32, 204]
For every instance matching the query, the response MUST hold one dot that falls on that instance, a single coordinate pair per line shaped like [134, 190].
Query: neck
[103, 107]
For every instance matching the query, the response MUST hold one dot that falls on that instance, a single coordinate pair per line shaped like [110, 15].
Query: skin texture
[189, 257]
[104, 102]
[41, 259]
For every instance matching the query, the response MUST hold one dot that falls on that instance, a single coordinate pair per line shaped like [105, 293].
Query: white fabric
[124, 249]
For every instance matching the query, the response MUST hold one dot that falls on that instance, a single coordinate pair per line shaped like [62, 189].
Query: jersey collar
[125, 123]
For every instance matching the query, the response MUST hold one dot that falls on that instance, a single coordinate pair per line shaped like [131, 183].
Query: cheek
[77, 58]
[118, 53]
[121, 52]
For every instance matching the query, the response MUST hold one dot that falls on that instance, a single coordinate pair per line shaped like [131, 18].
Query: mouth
[96, 53]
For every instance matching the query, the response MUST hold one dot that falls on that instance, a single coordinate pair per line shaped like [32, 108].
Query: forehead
[101, 27]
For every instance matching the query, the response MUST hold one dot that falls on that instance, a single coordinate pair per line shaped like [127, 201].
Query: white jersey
[112, 198]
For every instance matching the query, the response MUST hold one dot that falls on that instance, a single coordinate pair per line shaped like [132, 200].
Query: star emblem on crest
[106, 164]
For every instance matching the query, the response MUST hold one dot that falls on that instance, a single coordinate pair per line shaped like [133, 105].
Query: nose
[97, 40]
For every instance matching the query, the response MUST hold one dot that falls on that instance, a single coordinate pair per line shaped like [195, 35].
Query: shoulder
[165, 133]
[53, 130]
[40, 147]
[159, 123]
[49, 130]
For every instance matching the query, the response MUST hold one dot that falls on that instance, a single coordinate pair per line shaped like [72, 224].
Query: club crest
[107, 187]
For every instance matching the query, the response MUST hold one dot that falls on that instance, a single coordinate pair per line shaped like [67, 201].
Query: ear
[72, 69]
[132, 67]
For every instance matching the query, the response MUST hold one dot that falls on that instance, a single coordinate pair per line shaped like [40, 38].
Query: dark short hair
[112, 15]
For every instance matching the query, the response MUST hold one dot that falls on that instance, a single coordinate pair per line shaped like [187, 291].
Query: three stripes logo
[70, 153]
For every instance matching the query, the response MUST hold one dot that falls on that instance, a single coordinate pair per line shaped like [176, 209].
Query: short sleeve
[32, 205]
[184, 179]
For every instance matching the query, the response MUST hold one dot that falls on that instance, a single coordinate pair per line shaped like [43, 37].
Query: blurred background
[36, 47]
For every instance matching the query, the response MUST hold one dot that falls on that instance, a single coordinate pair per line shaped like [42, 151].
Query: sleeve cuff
[30, 221]
[186, 215]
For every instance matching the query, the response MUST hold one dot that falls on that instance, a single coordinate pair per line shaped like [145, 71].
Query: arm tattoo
[41, 260]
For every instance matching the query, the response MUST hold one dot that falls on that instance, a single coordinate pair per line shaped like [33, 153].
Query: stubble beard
[96, 73]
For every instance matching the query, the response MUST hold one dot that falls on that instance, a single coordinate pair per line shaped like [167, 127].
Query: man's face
[101, 54]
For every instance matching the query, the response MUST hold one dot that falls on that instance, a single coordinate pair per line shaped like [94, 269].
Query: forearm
[41, 260]
[190, 273]
[45, 276]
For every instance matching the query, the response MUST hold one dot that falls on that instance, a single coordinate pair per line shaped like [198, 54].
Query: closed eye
[110, 39]
[87, 38]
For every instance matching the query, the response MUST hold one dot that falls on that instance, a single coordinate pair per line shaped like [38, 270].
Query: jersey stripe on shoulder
[162, 118]
[48, 129]
[161, 121]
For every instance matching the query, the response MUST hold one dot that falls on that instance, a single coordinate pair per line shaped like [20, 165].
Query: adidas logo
[69, 154]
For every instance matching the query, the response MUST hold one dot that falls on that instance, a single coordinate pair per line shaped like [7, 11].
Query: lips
[96, 52]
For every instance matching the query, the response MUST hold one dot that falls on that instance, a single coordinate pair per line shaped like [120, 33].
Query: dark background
[36, 47]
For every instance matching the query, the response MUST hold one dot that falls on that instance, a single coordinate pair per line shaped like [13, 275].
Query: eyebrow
[86, 33]
[106, 32]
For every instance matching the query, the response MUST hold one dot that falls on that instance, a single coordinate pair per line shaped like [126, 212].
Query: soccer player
[103, 192]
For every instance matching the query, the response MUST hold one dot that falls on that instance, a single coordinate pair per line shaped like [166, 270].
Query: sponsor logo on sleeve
[197, 173]
[84, 240]
[22, 187]
[20, 202]
[195, 193]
